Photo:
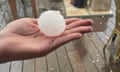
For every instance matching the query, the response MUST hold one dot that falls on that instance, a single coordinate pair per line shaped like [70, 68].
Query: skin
[21, 39]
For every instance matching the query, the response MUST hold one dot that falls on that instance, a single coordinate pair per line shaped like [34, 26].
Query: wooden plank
[73, 11]
[40, 65]
[102, 36]
[97, 42]
[93, 52]
[108, 32]
[5, 67]
[111, 24]
[16, 66]
[63, 60]
[85, 56]
[52, 62]
[89, 65]
[34, 10]
[100, 12]
[13, 8]
[75, 59]
[105, 34]
[28, 65]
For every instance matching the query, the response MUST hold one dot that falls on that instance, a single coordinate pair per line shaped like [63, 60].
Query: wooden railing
[13, 8]
[12, 4]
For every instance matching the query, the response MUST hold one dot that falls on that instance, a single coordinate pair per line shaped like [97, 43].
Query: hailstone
[51, 23]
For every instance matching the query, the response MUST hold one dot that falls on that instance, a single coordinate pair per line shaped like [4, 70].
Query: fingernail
[91, 29]
[90, 21]
[79, 35]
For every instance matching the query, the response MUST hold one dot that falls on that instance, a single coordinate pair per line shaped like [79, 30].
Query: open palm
[23, 39]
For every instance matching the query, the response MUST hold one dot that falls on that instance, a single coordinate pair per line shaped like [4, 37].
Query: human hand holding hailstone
[28, 38]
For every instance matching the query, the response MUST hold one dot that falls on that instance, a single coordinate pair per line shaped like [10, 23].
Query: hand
[22, 39]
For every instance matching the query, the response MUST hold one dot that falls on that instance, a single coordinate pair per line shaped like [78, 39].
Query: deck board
[29, 65]
[41, 65]
[92, 51]
[52, 62]
[63, 59]
[75, 58]
[16, 66]
[108, 31]
[85, 55]
[97, 42]
[89, 65]
[5, 67]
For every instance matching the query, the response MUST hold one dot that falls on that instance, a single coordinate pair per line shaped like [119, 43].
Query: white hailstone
[111, 71]
[51, 69]
[97, 60]
[97, 55]
[51, 23]
[93, 61]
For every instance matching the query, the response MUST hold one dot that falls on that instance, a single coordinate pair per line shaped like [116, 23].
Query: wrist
[1, 42]
[9, 46]
[3, 47]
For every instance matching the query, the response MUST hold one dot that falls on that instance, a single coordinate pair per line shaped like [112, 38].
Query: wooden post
[33, 2]
[13, 8]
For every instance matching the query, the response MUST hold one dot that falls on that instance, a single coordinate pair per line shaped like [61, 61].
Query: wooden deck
[82, 55]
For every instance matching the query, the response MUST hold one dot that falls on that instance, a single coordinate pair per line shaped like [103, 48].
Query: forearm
[3, 44]
[2, 59]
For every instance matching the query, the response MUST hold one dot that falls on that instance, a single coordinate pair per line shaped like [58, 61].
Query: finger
[82, 29]
[69, 20]
[34, 20]
[64, 39]
[85, 22]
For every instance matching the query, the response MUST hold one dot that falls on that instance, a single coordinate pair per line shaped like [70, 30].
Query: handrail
[33, 3]
[12, 4]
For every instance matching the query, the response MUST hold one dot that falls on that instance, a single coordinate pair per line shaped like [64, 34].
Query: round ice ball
[51, 23]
